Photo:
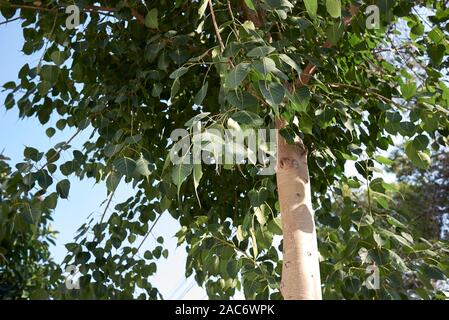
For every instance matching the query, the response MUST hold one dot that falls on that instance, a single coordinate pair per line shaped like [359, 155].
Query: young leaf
[151, 19]
[311, 7]
[250, 4]
[178, 72]
[142, 167]
[202, 8]
[334, 8]
[197, 175]
[199, 97]
[180, 173]
[408, 90]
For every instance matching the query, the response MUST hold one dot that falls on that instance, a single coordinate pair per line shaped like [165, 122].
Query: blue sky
[85, 196]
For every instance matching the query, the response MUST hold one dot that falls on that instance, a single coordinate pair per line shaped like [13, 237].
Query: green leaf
[260, 214]
[180, 173]
[419, 158]
[50, 132]
[232, 268]
[275, 226]
[178, 72]
[421, 142]
[49, 73]
[58, 57]
[306, 124]
[395, 222]
[239, 234]
[436, 53]
[257, 197]
[434, 272]
[63, 188]
[334, 8]
[334, 33]
[202, 8]
[151, 19]
[311, 7]
[33, 154]
[125, 166]
[382, 201]
[352, 285]
[142, 167]
[300, 99]
[273, 92]
[199, 97]
[290, 62]
[398, 262]
[113, 181]
[174, 88]
[242, 99]
[260, 51]
[384, 160]
[265, 66]
[247, 118]
[237, 75]
[250, 4]
[197, 175]
[408, 90]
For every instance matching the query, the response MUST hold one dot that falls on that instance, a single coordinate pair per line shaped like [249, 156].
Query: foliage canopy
[134, 71]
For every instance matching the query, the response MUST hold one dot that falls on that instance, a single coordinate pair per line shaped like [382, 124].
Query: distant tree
[26, 268]
[424, 194]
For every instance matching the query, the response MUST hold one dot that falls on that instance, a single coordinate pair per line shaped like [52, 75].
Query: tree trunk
[301, 271]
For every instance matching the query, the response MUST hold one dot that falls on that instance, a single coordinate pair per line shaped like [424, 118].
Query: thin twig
[148, 233]
[107, 205]
[9, 20]
[233, 19]
[60, 149]
[214, 22]
[367, 91]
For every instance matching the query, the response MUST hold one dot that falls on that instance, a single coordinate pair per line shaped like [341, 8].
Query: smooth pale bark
[301, 271]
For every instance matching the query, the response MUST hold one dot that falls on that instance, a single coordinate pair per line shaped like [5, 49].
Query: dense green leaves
[133, 79]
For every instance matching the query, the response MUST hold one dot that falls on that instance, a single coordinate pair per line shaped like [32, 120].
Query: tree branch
[9, 20]
[98, 9]
[368, 91]
[310, 69]
[214, 22]
[58, 152]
